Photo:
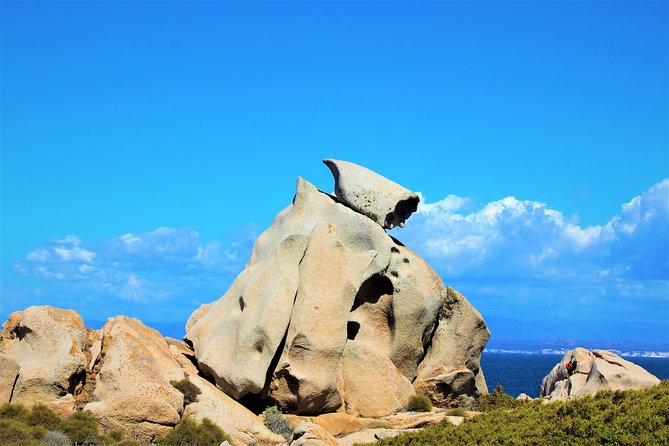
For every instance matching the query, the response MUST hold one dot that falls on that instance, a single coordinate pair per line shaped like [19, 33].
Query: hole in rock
[403, 210]
[372, 289]
[242, 304]
[21, 331]
[352, 329]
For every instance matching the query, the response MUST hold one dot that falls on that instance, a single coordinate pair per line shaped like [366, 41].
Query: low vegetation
[39, 426]
[419, 403]
[191, 433]
[277, 423]
[189, 390]
[633, 417]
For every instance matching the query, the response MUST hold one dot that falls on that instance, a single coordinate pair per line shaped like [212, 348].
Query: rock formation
[330, 316]
[327, 292]
[595, 370]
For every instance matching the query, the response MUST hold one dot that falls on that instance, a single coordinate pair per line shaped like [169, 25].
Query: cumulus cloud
[515, 239]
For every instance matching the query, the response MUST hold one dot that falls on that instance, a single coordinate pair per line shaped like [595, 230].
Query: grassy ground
[633, 417]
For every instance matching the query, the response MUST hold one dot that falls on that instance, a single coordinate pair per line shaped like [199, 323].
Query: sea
[522, 372]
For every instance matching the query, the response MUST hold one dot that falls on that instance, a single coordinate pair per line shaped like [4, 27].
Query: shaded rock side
[371, 194]
[132, 391]
[595, 370]
[450, 374]
[48, 346]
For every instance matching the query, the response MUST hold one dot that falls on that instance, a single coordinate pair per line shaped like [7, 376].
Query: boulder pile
[330, 314]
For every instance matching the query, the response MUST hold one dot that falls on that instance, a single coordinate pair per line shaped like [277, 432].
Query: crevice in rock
[11, 393]
[445, 311]
[84, 389]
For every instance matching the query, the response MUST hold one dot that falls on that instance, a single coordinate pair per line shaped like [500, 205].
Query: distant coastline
[562, 351]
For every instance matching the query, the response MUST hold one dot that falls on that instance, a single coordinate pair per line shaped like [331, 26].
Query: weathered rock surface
[326, 286]
[48, 346]
[372, 385]
[132, 391]
[370, 194]
[595, 370]
[450, 373]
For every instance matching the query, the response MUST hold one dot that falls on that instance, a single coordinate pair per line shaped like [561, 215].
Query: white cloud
[516, 239]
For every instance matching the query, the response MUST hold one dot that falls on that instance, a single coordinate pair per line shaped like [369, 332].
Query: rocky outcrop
[595, 370]
[370, 194]
[331, 314]
[132, 390]
[327, 294]
[42, 357]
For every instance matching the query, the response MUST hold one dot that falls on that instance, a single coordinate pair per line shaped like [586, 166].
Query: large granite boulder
[595, 370]
[325, 286]
[42, 357]
[131, 390]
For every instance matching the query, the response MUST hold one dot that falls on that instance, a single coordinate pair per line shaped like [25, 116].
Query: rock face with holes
[328, 294]
[595, 370]
[42, 357]
[367, 192]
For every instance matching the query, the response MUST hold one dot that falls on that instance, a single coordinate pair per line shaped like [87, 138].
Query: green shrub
[80, 427]
[55, 438]
[498, 399]
[191, 433]
[456, 412]
[17, 412]
[189, 390]
[15, 433]
[40, 415]
[633, 417]
[276, 422]
[419, 403]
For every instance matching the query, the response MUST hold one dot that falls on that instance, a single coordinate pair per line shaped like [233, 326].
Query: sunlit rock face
[42, 357]
[595, 370]
[328, 293]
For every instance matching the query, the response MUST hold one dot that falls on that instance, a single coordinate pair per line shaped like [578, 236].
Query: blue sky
[145, 145]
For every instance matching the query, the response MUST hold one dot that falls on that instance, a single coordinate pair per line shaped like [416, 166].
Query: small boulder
[595, 370]
[48, 345]
[311, 434]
